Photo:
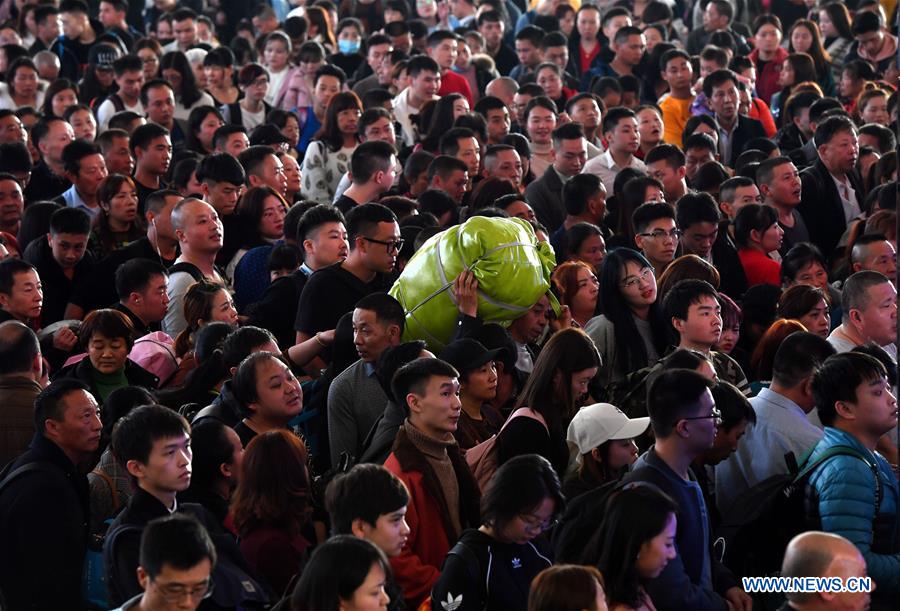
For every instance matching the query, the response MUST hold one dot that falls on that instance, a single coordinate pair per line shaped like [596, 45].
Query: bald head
[504, 88]
[19, 349]
[819, 554]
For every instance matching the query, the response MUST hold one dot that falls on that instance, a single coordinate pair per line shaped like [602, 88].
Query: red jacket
[431, 534]
[767, 78]
[456, 83]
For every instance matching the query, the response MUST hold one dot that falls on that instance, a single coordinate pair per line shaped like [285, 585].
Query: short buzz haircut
[9, 269]
[134, 276]
[670, 55]
[646, 213]
[838, 379]
[684, 294]
[75, 151]
[314, 218]
[701, 141]
[70, 220]
[826, 130]
[449, 142]
[136, 432]
[695, 208]
[488, 103]
[717, 79]
[532, 34]
[855, 293]
[444, 166]
[50, 402]
[366, 492]
[614, 115]
[143, 135]
[177, 540]
[221, 167]
[716, 55]
[798, 357]
[625, 32]
[578, 190]
[765, 173]
[370, 158]
[413, 377]
[887, 141]
[438, 36]
[253, 157]
[388, 310]
[364, 219]
[672, 396]
[567, 131]
[419, 63]
[18, 345]
[671, 154]
[152, 84]
[220, 137]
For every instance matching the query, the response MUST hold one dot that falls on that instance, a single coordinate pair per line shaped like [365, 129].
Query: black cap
[467, 354]
[267, 133]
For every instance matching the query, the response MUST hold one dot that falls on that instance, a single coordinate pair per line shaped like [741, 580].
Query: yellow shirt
[676, 113]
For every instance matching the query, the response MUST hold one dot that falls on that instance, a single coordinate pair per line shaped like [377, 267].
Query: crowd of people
[213, 394]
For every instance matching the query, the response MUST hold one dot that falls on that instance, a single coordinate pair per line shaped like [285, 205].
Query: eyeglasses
[659, 234]
[533, 525]
[634, 281]
[175, 593]
[716, 414]
[392, 245]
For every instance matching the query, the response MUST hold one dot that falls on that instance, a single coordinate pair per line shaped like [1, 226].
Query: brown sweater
[435, 452]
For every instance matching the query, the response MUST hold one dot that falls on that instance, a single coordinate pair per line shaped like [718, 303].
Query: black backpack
[771, 513]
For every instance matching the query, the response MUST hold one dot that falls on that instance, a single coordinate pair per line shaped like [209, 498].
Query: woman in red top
[768, 56]
[584, 44]
[758, 234]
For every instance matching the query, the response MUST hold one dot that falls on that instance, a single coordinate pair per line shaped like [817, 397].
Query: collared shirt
[74, 200]
[781, 427]
[605, 167]
[848, 198]
[725, 142]
[403, 112]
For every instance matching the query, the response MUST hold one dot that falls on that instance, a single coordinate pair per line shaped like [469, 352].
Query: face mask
[348, 47]
[456, 68]
[453, 22]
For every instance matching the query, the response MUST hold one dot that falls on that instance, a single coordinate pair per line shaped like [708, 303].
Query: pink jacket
[294, 92]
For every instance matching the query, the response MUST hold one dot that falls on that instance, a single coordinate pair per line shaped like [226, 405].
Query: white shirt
[182, 112]
[276, 79]
[107, 109]
[781, 427]
[604, 167]
[402, 112]
[848, 198]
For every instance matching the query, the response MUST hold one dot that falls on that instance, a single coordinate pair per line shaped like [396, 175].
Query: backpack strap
[188, 268]
[39, 466]
[112, 488]
[464, 551]
[844, 451]
[525, 412]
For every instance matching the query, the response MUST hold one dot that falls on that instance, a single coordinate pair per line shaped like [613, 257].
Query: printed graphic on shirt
[452, 603]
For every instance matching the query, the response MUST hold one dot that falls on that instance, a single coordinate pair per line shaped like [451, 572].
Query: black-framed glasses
[659, 234]
[715, 414]
[392, 245]
[175, 593]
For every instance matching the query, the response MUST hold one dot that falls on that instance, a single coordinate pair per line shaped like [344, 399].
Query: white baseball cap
[596, 424]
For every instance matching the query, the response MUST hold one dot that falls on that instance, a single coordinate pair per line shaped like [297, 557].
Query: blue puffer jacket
[843, 489]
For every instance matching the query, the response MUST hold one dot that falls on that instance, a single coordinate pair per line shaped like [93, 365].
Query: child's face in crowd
[656, 553]
[437, 409]
[389, 533]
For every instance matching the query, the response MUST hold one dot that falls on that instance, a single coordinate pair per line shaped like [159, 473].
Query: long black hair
[632, 355]
[518, 487]
[634, 515]
[336, 569]
[176, 60]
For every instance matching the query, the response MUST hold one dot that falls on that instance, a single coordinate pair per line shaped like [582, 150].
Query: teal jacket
[843, 494]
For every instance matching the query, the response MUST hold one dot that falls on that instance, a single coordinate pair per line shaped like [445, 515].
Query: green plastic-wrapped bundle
[511, 266]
